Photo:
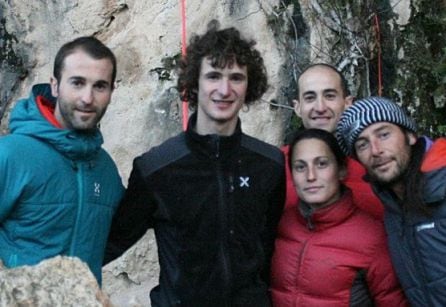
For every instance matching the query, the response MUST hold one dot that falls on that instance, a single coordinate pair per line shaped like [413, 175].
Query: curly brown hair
[223, 47]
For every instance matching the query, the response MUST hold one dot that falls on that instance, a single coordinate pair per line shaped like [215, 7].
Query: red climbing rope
[378, 43]
[183, 53]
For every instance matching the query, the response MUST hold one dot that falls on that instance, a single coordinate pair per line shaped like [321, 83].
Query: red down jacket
[336, 257]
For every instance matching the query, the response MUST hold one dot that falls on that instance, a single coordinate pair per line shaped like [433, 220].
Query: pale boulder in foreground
[59, 281]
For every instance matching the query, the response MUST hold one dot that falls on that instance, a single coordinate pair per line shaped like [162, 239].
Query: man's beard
[397, 178]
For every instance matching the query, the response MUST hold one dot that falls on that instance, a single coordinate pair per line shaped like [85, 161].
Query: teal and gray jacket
[59, 190]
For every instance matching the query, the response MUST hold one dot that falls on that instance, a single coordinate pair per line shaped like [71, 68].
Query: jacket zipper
[413, 250]
[301, 260]
[420, 267]
[223, 224]
[80, 188]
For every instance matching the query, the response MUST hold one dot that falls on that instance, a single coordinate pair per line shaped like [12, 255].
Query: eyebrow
[325, 91]
[379, 129]
[102, 82]
[238, 74]
[329, 90]
[211, 72]
[77, 78]
[308, 92]
[315, 158]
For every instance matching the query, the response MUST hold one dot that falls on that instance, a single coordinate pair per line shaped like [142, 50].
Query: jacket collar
[212, 145]
[435, 157]
[330, 216]
[27, 119]
[434, 169]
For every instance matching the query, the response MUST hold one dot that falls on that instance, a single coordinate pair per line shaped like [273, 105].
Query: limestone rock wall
[146, 110]
[146, 37]
[60, 281]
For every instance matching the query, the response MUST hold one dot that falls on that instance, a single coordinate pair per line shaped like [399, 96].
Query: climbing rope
[378, 43]
[185, 109]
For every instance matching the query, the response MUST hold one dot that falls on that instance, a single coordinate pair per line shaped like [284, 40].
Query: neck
[58, 116]
[214, 127]
[398, 189]
[318, 206]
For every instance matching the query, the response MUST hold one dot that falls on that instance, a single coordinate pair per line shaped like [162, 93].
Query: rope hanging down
[185, 105]
[378, 44]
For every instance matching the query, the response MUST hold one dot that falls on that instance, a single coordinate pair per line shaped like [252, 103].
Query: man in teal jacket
[59, 188]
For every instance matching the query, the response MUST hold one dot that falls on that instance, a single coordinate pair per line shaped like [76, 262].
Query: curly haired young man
[213, 194]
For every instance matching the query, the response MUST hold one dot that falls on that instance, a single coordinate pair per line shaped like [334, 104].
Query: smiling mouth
[381, 164]
[222, 101]
[321, 118]
[85, 110]
[86, 113]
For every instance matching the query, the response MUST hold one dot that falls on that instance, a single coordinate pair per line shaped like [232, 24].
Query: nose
[87, 95]
[224, 87]
[375, 147]
[320, 105]
[311, 175]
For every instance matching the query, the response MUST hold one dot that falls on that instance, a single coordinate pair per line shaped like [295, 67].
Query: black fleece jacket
[214, 203]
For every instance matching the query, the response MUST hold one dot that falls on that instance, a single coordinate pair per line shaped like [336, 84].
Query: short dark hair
[344, 86]
[322, 135]
[90, 45]
[223, 47]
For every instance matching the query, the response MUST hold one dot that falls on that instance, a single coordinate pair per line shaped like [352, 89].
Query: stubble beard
[395, 179]
[75, 122]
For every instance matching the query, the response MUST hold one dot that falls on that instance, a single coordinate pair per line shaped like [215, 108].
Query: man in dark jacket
[409, 176]
[213, 194]
[59, 188]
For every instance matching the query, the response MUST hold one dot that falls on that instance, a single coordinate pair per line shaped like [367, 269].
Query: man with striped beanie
[409, 176]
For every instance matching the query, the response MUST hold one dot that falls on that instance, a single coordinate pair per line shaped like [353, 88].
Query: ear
[296, 104]
[342, 173]
[411, 137]
[348, 101]
[54, 87]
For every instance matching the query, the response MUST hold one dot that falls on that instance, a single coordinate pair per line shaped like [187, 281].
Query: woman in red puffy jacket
[328, 252]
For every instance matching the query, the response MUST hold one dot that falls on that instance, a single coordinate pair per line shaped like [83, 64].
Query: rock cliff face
[60, 281]
[146, 38]
[146, 110]
[368, 40]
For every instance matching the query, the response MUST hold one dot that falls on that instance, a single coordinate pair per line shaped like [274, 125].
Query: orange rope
[183, 53]
[378, 42]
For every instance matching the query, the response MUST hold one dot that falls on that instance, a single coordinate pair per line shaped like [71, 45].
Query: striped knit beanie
[365, 112]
